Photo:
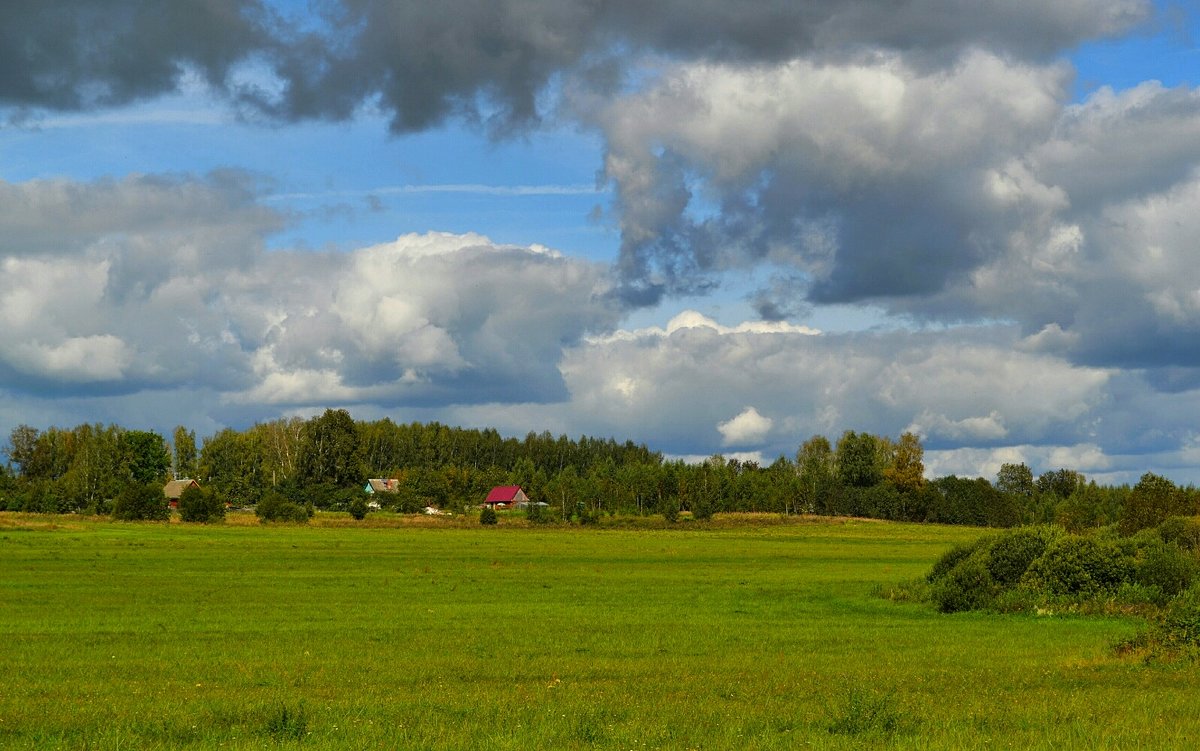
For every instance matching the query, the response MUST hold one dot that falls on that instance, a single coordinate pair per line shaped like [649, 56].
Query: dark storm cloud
[422, 62]
[425, 61]
[78, 54]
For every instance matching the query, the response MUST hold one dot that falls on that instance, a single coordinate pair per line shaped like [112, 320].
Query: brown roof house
[173, 489]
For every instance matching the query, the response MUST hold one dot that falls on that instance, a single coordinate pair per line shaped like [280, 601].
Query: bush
[1167, 567]
[954, 556]
[584, 515]
[1174, 635]
[1153, 500]
[275, 508]
[968, 586]
[1184, 531]
[1181, 622]
[536, 513]
[487, 516]
[358, 508]
[1080, 566]
[138, 502]
[670, 509]
[1011, 554]
[197, 505]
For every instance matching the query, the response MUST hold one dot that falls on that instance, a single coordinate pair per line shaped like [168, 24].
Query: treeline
[325, 461]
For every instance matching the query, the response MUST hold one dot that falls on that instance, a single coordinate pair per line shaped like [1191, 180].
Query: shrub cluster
[200, 505]
[1173, 634]
[138, 502]
[358, 508]
[276, 508]
[1038, 566]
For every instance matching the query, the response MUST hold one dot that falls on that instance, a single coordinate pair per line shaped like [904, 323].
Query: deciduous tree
[185, 452]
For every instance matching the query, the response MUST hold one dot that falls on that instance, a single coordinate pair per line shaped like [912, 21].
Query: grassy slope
[157, 636]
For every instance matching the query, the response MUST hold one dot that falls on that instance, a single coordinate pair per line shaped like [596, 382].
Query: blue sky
[709, 232]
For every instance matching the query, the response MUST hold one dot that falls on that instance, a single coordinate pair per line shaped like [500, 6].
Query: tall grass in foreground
[155, 636]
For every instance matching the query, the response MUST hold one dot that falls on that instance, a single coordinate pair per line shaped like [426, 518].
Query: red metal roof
[503, 494]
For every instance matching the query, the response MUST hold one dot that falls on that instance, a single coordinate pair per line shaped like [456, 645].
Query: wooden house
[381, 486]
[174, 489]
[505, 496]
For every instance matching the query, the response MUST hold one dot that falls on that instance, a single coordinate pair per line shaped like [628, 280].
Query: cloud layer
[1035, 252]
[422, 63]
[151, 283]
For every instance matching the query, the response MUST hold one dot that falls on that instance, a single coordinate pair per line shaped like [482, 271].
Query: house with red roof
[505, 496]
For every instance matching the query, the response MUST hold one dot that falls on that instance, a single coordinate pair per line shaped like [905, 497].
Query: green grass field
[455, 636]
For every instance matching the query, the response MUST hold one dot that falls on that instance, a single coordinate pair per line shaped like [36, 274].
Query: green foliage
[1082, 566]
[199, 505]
[329, 450]
[967, 586]
[882, 501]
[1173, 635]
[1184, 531]
[141, 502]
[358, 508]
[906, 472]
[817, 482]
[1010, 555]
[537, 513]
[1029, 567]
[958, 500]
[1181, 622]
[1015, 479]
[276, 508]
[670, 509]
[23, 449]
[184, 442]
[585, 515]
[325, 460]
[230, 466]
[1166, 567]
[1153, 499]
[1060, 483]
[144, 456]
[955, 555]
[702, 508]
[487, 516]
[1089, 507]
[858, 463]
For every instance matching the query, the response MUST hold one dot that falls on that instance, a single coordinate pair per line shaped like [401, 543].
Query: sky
[711, 227]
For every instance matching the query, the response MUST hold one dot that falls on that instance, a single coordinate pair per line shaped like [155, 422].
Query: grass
[446, 635]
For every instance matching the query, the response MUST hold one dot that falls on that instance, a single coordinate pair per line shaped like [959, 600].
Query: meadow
[751, 634]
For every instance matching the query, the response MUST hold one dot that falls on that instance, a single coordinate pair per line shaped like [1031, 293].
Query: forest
[323, 463]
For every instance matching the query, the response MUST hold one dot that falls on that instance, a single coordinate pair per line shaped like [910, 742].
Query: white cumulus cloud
[748, 427]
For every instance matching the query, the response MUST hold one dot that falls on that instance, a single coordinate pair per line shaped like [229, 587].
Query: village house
[505, 496]
[381, 486]
[174, 489]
